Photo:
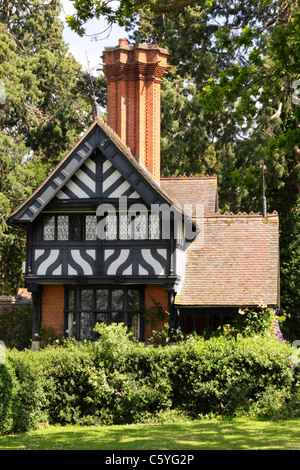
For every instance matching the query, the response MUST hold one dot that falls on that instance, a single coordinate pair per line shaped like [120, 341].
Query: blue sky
[84, 47]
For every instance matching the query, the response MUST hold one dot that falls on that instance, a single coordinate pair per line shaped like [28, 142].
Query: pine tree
[47, 105]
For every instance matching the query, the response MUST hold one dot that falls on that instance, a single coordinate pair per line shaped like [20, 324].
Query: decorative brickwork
[133, 98]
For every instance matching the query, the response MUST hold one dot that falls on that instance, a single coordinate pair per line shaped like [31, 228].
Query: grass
[213, 434]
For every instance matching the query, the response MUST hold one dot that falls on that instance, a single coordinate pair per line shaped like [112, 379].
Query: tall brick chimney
[134, 76]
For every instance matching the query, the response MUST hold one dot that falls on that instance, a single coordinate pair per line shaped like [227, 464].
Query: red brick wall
[53, 307]
[155, 293]
[133, 99]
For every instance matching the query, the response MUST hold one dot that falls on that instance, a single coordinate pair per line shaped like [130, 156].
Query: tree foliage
[228, 104]
[47, 103]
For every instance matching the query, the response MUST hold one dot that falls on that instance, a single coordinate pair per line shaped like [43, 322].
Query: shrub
[75, 387]
[117, 380]
[8, 393]
[22, 405]
[226, 375]
[16, 327]
[29, 405]
[137, 378]
[261, 321]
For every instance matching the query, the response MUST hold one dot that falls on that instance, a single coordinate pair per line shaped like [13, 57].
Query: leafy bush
[29, 404]
[22, 404]
[139, 384]
[16, 327]
[260, 321]
[8, 393]
[75, 387]
[117, 380]
[224, 375]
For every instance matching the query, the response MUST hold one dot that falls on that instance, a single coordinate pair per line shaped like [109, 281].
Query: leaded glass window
[79, 227]
[101, 299]
[90, 227]
[62, 227]
[154, 227]
[70, 227]
[125, 227]
[140, 227]
[86, 300]
[133, 299]
[111, 229]
[107, 304]
[117, 299]
[76, 228]
[49, 227]
[86, 325]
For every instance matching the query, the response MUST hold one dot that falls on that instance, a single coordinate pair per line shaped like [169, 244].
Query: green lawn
[232, 434]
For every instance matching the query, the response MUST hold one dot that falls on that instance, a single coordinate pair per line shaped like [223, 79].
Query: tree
[48, 103]
[85, 10]
[227, 105]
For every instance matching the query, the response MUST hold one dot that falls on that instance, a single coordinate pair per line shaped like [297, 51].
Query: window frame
[118, 238]
[125, 310]
[84, 215]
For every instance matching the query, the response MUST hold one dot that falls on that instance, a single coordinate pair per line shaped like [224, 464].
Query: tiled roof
[236, 263]
[193, 190]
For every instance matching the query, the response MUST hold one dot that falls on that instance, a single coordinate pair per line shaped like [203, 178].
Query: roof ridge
[187, 178]
[240, 214]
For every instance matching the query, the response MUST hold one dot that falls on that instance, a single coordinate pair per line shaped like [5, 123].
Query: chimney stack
[134, 75]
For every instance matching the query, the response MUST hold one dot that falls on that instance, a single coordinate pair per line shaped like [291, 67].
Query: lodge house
[108, 238]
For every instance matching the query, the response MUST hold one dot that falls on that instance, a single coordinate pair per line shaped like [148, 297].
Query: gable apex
[102, 137]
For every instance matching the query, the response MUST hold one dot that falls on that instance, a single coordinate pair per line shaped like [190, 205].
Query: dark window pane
[86, 325]
[101, 318]
[102, 299]
[201, 324]
[76, 227]
[133, 324]
[71, 324]
[133, 299]
[86, 299]
[117, 299]
[188, 324]
[117, 317]
[71, 300]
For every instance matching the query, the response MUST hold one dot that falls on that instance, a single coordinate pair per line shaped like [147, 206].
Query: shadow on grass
[235, 434]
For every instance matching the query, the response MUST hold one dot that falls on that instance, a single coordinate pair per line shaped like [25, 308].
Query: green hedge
[116, 380]
[16, 327]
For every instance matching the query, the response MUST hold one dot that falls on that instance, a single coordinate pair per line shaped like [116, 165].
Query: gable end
[75, 176]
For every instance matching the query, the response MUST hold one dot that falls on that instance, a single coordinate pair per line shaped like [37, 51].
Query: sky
[84, 49]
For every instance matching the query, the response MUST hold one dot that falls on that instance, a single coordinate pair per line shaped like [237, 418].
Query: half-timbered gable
[64, 214]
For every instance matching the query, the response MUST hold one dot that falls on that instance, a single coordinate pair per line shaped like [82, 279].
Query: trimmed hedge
[116, 380]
